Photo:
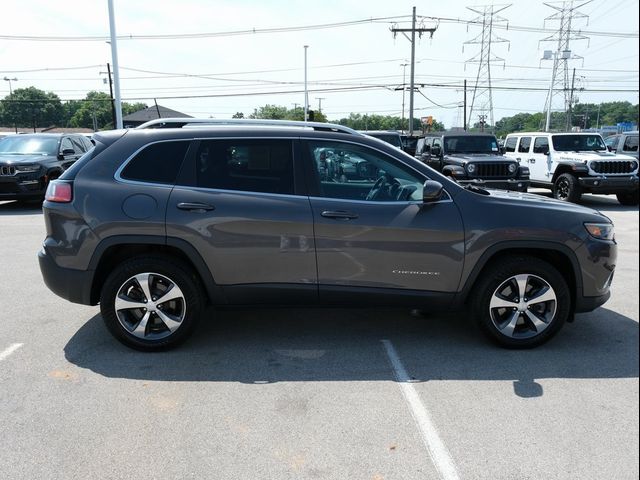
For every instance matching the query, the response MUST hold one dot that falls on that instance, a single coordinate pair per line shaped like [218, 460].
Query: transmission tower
[482, 98]
[560, 84]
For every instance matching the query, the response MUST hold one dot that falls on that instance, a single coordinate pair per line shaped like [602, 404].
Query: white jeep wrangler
[571, 164]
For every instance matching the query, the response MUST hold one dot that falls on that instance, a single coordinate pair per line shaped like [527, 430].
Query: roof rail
[187, 122]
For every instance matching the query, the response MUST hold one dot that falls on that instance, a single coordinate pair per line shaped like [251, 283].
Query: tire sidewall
[574, 193]
[177, 273]
[502, 271]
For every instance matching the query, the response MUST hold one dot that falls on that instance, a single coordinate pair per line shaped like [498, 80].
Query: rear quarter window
[510, 144]
[157, 163]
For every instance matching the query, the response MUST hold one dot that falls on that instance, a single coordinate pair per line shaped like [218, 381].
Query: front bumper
[605, 184]
[22, 186]
[72, 285]
[513, 184]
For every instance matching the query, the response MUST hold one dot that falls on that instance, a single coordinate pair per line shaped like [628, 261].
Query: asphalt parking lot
[317, 394]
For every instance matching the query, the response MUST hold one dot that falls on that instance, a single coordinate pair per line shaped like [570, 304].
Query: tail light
[59, 192]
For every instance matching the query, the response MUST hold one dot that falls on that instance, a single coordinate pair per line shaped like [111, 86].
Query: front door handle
[195, 206]
[341, 215]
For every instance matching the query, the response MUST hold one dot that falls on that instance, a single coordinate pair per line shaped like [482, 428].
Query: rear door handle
[532, 160]
[195, 206]
[341, 215]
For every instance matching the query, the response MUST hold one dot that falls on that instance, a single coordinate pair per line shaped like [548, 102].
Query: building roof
[151, 113]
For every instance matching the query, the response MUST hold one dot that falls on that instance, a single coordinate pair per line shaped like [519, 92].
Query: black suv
[29, 162]
[156, 223]
[476, 158]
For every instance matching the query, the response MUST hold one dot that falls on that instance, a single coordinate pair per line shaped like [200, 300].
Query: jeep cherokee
[156, 222]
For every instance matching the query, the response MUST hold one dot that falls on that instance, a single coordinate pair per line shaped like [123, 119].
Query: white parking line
[436, 448]
[8, 351]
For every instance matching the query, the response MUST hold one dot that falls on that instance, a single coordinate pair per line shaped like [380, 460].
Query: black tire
[524, 333]
[629, 199]
[567, 188]
[156, 334]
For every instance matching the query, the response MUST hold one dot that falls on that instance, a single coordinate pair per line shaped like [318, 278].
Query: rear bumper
[72, 285]
[604, 184]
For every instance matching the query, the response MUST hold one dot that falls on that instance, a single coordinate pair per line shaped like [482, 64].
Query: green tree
[278, 112]
[238, 115]
[95, 111]
[32, 107]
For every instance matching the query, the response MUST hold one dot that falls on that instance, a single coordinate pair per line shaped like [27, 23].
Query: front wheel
[629, 199]
[151, 303]
[521, 302]
[567, 188]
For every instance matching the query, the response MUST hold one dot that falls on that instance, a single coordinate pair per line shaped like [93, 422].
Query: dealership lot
[307, 393]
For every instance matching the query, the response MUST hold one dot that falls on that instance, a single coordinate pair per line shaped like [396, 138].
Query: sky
[361, 61]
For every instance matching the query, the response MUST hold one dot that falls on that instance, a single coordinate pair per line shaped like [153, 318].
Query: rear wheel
[628, 198]
[567, 188]
[521, 302]
[151, 303]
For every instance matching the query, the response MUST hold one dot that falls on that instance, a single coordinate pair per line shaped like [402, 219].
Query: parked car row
[569, 164]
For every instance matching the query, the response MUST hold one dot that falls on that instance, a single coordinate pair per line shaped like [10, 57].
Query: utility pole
[306, 92]
[482, 119]
[420, 30]
[482, 98]
[14, 79]
[570, 109]
[113, 106]
[320, 103]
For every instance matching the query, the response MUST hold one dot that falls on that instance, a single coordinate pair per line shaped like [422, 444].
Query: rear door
[241, 203]
[373, 232]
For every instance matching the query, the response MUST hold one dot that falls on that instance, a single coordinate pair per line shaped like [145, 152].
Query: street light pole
[116, 68]
[306, 92]
[14, 79]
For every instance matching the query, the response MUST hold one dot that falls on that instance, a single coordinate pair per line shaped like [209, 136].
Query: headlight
[601, 231]
[471, 168]
[27, 168]
[512, 168]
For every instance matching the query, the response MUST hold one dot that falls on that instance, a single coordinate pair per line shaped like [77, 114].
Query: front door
[238, 203]
[372, 230]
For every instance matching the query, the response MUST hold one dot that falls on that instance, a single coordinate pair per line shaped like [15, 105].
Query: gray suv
[157, 222]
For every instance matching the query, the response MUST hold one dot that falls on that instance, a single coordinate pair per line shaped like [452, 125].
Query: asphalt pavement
[312, 393]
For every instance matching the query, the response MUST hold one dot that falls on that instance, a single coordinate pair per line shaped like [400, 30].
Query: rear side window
[510, 144]
[525, 143]
[541, 145]
[630, 144]
[157, 163]
[261, 165]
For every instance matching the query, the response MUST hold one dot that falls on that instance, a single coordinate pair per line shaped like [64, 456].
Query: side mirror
[431, 191]
[503, 150]
[436, 150]
[610, 148]
[546, 153]
[68, 151]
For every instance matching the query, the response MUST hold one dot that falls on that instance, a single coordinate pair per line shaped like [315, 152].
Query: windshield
[577, 143]
[471, 144]
[23, 145]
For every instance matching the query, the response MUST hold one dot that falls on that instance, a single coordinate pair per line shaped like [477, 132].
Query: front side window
[510, 144]
[630, 144]
[612, 142]
[541, 145]
[578, 143]
[355, 172]
[260, 165]
[157, 163]
[525, 143]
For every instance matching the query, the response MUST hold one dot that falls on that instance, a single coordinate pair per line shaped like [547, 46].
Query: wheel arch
[558, 255]
[114, 250]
